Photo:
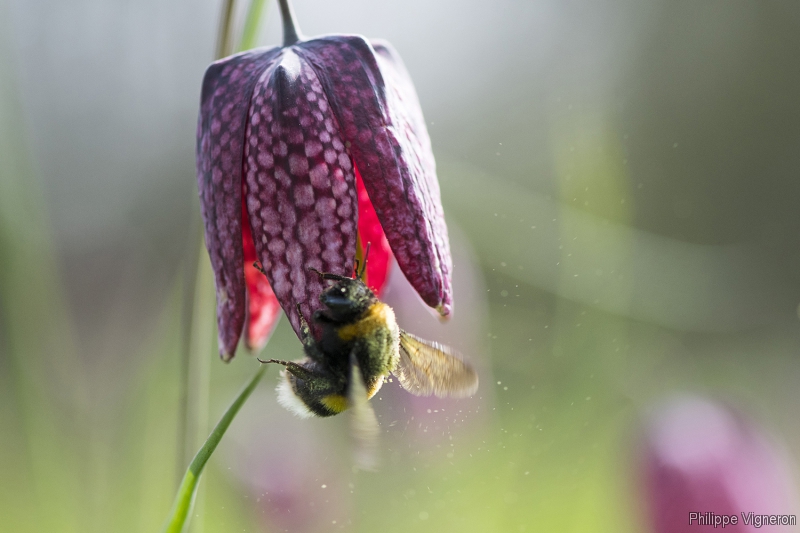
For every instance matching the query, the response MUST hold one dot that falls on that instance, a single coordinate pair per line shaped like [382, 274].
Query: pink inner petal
[263, 309]
[370, 231]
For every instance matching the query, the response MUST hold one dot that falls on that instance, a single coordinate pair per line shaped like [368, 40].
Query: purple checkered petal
[377, 108]
[406, 115]
[301, 190]
[225, 99]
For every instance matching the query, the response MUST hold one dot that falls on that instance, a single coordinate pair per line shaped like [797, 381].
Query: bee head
[346, 299]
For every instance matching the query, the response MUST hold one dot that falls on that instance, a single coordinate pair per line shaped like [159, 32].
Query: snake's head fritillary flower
[706, 464]
[306, 153]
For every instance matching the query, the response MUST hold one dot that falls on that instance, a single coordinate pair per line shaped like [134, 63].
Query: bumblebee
[359, 346]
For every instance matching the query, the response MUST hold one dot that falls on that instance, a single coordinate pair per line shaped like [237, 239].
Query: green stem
[225, 29]
[190, 313]
[252, 25]
[182, 507]
[197, 312]
[291, 34]
[193, 285]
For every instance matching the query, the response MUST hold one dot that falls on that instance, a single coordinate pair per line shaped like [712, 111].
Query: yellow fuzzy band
[377, 316]
[336, 403]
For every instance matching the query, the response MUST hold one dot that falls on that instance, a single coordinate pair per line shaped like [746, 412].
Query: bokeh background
[621, 181]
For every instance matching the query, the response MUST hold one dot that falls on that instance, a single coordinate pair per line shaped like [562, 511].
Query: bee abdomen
[335, 403]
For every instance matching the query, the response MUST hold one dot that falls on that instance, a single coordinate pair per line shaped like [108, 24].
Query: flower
[704, 458]
[305, 153]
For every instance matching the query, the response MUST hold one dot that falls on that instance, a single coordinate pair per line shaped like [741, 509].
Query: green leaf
[184, 500]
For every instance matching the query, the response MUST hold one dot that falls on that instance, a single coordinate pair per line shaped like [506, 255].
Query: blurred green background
[621, 180]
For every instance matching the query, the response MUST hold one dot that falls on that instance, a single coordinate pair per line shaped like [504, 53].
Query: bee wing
[427, 368]
[363, 423]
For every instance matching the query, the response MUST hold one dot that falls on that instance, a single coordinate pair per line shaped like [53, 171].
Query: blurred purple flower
[702, 457]
[303, 124]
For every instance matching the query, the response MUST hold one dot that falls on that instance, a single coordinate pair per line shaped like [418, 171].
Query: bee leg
[320, 318]
[328, 275]
[360, 275]
[295, 369]
[258, 266]
[309, 345]
[304, 330]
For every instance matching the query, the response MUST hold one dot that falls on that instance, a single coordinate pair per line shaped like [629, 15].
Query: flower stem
[182, 506]
[291, 34]
[252, 25]
[197, 309]
[225, 29]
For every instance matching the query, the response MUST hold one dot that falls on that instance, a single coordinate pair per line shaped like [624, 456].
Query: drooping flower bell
[707, 466]
[306, 153]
